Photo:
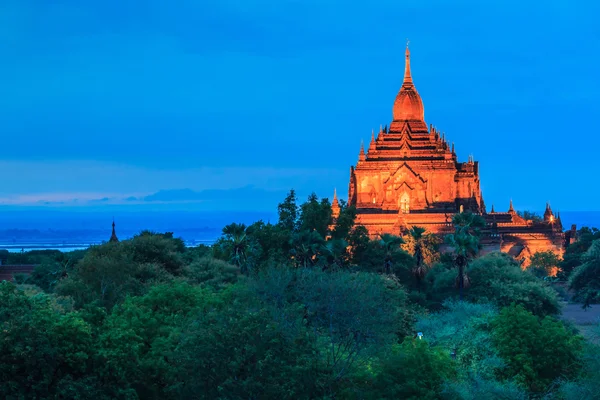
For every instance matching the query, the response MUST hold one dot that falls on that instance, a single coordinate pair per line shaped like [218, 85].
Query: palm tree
[306, 246]
[465, 241]
[335, 250]
[420, 269]
[389, 243]
[237, 244]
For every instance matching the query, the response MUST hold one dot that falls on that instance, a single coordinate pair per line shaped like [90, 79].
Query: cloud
[175, 195]
[239, 197]
[247, 198]
[87, 180]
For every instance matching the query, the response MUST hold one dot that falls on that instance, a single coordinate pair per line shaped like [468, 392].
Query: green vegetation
[301, 309]
[585, 278]
[536, 351]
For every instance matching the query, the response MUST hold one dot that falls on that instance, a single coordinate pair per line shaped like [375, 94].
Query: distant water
[67, 248]
[69, 230]
[75, 230]
[48, 247]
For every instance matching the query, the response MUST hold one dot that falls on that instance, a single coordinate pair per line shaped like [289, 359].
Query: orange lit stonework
[410, 175]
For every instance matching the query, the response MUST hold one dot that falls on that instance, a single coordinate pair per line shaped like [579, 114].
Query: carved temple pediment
[404, 173]
[404, 189]
[402, 185]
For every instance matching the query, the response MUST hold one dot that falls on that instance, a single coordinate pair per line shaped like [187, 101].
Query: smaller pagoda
[113, 236]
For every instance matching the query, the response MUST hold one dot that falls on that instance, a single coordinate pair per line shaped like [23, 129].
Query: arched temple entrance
[405, 203]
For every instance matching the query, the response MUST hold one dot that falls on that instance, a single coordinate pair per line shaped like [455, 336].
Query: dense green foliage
[585, 278]
[575, 252]
[414, 370]
[306, 308]
[465, 243]
[536, 351]
[587, 385]
[543, 263]
[499, 279]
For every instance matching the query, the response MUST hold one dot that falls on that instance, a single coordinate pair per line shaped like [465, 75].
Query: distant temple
[410, 176]
[113, 236]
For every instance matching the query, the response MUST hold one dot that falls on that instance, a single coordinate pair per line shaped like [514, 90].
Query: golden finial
[407, 77]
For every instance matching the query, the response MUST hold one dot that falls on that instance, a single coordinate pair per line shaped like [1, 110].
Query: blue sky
[108, 100]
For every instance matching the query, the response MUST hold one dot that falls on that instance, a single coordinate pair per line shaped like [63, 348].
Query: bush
[109, 273]
[587, 386]
[44, 351]
[497, 278]
[477, 388]
[413, 370]
[585, 279]
[464, 329]
[212, 272]
[536, 351]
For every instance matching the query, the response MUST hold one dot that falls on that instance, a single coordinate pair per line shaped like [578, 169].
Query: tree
[108, 273]
[464, 330]
[465, 242]
[423, 248]
[157, 248]
[587, 384]
[585, 279]
[142, 333]
[414, 370]
[529, 215]
[544, 263]
[48, 274]
[497, 278]
[354, 314]
[389, 243]
[288, 212]
[239, 247]
[212, 272]
[315, 215]
[46, 351]
[306, 247]
[274, 242]
[474, 387]
[358, 240]
[334, 253]
[345, 221]
[536, 352]
[575, 252]
[237, 350]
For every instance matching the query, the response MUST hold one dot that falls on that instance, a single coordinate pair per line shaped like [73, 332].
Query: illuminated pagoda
[410, 175]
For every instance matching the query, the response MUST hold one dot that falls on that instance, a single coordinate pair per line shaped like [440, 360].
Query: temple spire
[493, 211]
[113, 236]
[335, 205]
[407, 77]
[361, 155]
[548, 215]
[372, 147]
[511, 208]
